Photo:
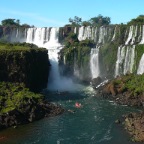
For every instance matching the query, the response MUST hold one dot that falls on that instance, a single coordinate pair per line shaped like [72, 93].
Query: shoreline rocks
[31, 112]
[127, 90]
[134, 124]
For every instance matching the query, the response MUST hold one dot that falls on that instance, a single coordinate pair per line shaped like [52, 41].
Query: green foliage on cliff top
[19, 47]
[15, 95]
[13, 22]
[137, 21]
[94, 21]
[80, 50]
[134, 84]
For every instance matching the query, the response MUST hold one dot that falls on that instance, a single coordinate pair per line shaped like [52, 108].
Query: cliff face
[118, 48]
[25, 65]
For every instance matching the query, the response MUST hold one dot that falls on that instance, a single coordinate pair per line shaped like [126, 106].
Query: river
[93, 123]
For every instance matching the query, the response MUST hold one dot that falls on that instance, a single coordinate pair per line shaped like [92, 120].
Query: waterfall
[125, 60]
[49, 39]
[94, 62]
[134, 35]
[81, 33]
[99, 35]
[141, 66]
[120, 60]
[85, 33]
[114, 35]
[142, 40]
[76, 68]
[129, 59]
[130, 35]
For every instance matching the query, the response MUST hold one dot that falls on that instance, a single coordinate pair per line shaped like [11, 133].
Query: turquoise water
[93, 123]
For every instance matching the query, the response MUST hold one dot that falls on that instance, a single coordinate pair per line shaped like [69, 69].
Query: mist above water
[57, 81]
[48, 38]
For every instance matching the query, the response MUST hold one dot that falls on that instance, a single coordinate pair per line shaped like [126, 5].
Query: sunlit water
[93, 123]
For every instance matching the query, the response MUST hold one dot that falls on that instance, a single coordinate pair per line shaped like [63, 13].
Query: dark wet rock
[117, 121]
[125, 90]
[134, 124]
[32, 112]
[96, 81]
[115, 90]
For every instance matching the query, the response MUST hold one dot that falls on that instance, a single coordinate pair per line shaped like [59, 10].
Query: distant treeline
[95, 21]
[77, 21]
[13, 22]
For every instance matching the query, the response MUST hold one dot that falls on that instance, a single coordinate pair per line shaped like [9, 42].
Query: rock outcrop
[23, 64]
[128, 90]
[32, 111]
[134, 124]
[18, 105]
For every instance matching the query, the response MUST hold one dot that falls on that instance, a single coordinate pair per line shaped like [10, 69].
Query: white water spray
[94, 62]
[48, 38]
[129, 59]
[120, 60]
[141, 66]
[142, 40]
[125, 60]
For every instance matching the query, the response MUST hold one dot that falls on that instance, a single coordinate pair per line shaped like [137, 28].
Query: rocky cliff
[21, 63]
[117, 49]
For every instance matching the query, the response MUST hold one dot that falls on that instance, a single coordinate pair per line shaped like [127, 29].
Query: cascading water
[94, 62]
[129, 59]
[130, 35]
[142, 40]
[141, 66]
[85, 33]
[48, 38]
[114, 35]
[125, 60]
[120, 59]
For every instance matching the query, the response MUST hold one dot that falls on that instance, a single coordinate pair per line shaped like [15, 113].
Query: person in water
[78, 105]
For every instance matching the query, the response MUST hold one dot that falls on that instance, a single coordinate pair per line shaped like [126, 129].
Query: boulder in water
[96, 81]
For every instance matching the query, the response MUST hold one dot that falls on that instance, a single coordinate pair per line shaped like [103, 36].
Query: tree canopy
[13, 22]
[10, 22]
[95, 21]
[138, 20]
[76, 21]
[100, 20]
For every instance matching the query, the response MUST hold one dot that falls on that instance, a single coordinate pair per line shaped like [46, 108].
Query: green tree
[138, 20]
[76, 21]
[71, 39]
[25, 25]
[86, 23]
[100, 20]
[10, 22]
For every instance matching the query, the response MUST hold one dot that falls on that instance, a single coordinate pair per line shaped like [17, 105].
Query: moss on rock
[24, 63]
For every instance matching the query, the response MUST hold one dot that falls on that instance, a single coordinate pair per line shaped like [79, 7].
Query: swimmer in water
[78, 105]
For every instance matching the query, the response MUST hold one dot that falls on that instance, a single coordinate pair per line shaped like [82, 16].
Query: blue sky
[55, 13]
